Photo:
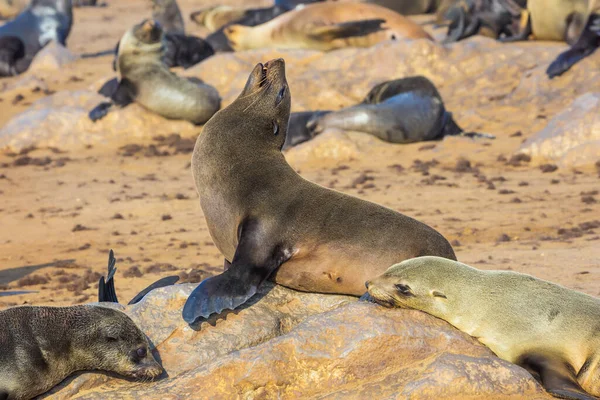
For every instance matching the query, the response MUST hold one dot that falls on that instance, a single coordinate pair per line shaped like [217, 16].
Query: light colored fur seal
[326, 26]
[41, 346]
[548, 329]
[268, 221]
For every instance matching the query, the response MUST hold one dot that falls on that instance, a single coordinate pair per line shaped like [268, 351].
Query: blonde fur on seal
[548, 329]
[213, 18]
[558, 20]
[296, 29]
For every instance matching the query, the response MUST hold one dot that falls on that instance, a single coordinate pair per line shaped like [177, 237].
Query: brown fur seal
[404, 110]
[212, 18]
[586, 44]
[168, 15]
[41, 346]
[548, 329]
[268, 221]
[326, 26]
[146, 80]
[23, 37]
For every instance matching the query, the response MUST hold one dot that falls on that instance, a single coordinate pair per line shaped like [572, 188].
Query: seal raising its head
[548, 329]
[41, 346]
[269, 221]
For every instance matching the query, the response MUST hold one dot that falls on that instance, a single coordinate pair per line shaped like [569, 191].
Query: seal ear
[437, 293]
[254, 79]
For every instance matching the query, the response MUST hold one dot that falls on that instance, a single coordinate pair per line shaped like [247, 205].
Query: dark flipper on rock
[587, 43]
[167, 281]
[11, 50]
[347, 29]
[123, 94]
[254, 261]
[106, 287]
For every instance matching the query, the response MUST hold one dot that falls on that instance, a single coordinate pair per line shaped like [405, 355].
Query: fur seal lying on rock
[144, 78]
[586, 44]
[404, 110]
[326, 26]
[41, 346]
[268, 221]
[42, 22]
[548, 329]
[106, 286]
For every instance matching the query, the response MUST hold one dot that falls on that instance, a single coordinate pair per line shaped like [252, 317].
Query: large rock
[289, 345]
[570, 139]
[51, 58]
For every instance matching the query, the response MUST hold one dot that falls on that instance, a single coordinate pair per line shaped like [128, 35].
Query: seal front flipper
[254, 261]
[556, 375]
[106, 287]
[122, 96]
[11, 50]
[347, 29]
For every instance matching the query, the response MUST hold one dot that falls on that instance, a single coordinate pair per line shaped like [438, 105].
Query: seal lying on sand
[404, 110]
[268, 221]
[106, 286]
[41, 346]
[146, 80]
[326, 26]
[586, 44]
[548, 329]
[34, 28]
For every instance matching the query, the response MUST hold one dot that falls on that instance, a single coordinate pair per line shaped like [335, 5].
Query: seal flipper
[525, 30]
[556, 375]
[11, 49]
[167, 281]
[347, 29]
[587, 43]
[254, 261]
[106, 287]
[122, 96]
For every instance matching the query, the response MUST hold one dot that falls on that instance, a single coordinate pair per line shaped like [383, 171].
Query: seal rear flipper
[106, 287]
[167, 281]
[109, 87]
[587, 43]
[459, 20]
[347, 29]
[100, 111]
[525, 30]
[254, 261]
[556, 375]
[11, 50]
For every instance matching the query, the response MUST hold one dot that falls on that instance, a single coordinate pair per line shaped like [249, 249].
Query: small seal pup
[268, 221]
[106, 286]
[586, 44]
[404, 110]
[42, 22]
[326, 26]
[548, 329]
[145, 79]
[41, 346]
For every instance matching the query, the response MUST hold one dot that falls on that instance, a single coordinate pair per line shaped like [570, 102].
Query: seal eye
[404, 289]
[111, 339]
[280, 96]
[275, 128]
[141, 352]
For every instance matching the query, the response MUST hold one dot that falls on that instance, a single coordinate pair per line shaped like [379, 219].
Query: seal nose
[270, 63]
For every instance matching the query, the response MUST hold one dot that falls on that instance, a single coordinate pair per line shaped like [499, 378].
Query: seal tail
[106, 287]
[451, 128]
[347, 29]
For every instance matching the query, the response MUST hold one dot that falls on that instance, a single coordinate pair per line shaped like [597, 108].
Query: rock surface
[51, 58]
[289, 344]
[572, 138]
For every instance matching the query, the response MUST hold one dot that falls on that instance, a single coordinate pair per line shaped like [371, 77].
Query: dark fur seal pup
[404, 110]
[106, 286]
[42, 22]
[268, 221]
[41, 346]
[146, 80]
[586, 44]
[548, 329]
[168, 15]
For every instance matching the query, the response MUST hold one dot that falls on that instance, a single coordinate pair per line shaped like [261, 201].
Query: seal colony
[548, 329]
[41, 346]
[268, 221]
[143, 76]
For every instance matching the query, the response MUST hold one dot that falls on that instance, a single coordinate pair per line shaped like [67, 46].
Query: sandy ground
[61, 212]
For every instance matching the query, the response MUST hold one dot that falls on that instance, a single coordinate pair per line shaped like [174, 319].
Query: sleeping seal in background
[545, 328]
[145, 79]
[23, 37]
[404, 110]
[326, 26]
[268, 221]
[41, 346]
